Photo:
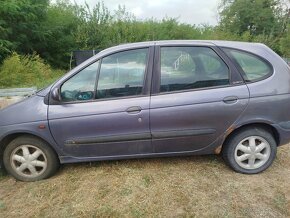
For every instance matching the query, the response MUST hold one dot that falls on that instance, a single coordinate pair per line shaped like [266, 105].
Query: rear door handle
[134, 110]
[230, 99]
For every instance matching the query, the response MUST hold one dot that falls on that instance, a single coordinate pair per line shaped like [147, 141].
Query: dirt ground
[196, 186]
[4, 102]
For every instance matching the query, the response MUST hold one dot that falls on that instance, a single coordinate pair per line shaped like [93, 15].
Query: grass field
[167, 187]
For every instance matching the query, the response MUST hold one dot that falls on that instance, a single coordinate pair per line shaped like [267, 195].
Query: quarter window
[253, 67]
[122, 74]
[185, 68]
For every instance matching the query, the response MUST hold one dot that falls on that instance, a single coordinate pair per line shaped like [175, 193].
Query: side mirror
[55, 95]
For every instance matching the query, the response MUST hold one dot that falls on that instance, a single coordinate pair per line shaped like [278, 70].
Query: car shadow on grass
[214, 162]
[3, 174]
[210, 161]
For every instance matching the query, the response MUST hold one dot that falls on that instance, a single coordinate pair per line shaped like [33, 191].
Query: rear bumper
[1, 160]
[284, 133]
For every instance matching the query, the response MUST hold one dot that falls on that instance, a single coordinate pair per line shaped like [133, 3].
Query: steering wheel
[68, 95]
[84, 96]
[76, 95]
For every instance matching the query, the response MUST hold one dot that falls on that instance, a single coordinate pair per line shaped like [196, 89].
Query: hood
[30, 109]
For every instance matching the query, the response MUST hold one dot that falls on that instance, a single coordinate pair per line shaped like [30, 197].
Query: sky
[187, 11]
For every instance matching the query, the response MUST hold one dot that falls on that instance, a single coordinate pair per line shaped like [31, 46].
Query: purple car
[154, 99]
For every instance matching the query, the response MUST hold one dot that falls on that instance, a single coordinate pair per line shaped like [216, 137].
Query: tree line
[53, 30]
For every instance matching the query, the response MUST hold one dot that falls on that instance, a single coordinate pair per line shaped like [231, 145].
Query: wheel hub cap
[252, 152]
[28, 161]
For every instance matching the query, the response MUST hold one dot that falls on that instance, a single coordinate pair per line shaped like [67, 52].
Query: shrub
[26, 71]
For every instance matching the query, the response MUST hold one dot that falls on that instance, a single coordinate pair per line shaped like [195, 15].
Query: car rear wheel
[250, 151]
[30, 159]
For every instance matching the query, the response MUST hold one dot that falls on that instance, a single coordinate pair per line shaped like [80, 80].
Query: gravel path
[4, 102]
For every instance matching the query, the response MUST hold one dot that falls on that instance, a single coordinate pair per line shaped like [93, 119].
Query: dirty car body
[139, 100]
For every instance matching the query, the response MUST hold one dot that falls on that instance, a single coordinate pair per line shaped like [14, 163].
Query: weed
[147, 180]
[280, 202]
[136, 212]
[126, 192]
[2, 205]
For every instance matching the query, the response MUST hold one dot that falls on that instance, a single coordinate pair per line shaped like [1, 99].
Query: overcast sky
[187, 11]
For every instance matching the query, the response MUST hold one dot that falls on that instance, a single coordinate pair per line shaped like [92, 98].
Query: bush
[26, 71]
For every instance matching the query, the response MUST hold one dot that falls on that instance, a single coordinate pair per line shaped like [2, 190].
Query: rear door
[109, 117]
[196, 97]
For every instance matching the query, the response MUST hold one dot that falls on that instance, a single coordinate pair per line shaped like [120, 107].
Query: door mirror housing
[55, 94]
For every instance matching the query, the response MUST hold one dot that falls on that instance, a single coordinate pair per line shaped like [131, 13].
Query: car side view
[154, 99]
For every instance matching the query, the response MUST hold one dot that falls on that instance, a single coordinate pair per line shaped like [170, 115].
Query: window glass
[254, 68]
[122, 74]
[81, 86]
[191, 67]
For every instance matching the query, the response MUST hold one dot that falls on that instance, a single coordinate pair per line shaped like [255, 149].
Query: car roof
[220, 43]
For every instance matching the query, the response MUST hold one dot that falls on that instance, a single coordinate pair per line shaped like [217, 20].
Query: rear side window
[253, 67]
[185, 68]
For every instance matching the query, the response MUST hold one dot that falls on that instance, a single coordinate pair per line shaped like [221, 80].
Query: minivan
[154, 99]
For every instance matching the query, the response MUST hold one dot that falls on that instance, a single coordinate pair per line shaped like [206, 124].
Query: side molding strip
[111, 138]
[181, 133]
[139, 136]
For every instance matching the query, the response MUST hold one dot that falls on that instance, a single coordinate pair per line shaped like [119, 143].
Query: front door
[109, 117]
[195, 99]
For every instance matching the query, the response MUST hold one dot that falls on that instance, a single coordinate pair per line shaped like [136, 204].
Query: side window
[122, 74]
[214, 66]
[254, 68]
[81, 86]
[190, 68]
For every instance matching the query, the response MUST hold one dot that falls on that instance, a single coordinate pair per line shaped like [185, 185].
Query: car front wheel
[250, 151]
[30, 159]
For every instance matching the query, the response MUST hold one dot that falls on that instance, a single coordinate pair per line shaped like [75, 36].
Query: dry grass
[165, 187]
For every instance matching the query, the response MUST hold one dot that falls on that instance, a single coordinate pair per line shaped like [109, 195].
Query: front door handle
[134, 110]
[230, 99]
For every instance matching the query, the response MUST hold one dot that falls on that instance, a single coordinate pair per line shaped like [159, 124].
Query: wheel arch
[233, 131]
[10, 137]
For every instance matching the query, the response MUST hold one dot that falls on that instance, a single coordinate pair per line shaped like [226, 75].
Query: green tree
[285, 43]
[254, 20]
[93, 28]
[61, 23]
[256, 16]
[20, 25]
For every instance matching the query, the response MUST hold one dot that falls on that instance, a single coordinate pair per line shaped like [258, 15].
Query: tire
[250, 150]
[30, 159]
